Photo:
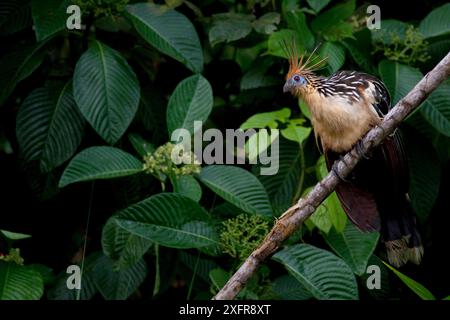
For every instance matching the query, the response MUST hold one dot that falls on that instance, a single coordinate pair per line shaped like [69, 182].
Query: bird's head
[300, 77]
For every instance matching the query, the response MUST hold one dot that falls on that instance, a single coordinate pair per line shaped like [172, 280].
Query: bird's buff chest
[338, 122]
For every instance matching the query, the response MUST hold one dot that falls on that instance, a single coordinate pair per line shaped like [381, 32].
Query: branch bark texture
[305, 207]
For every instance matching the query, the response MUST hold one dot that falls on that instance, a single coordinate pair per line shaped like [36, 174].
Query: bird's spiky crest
[296, 65]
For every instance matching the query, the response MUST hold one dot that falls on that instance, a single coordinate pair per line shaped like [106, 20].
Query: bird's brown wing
[374, 183]
[356, 199]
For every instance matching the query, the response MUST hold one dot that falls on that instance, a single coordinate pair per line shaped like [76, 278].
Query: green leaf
[304, 109]
[14, 235]
[323, 274]
[201, 266]
[398, 78]
[359, 48]
[416, 287]
[18, 65]
[424, 174]
[288, 288]
[46, 272]
[106, 90]
[318, 5]
[436, 23]
[219, 278]
[19, 282]
[142, 146]
[237, 186]
[168, 31]
[49, 126]
[123, 247]
[282, 187]
[267, 119]
[296, 133]
[15, 15]
[330, 211]
[171, 220]
[276, 40]
[229, 27]
[117, 284]
[191, 101]
[446, 298]
[354, 246]
[330, 24]
[187, 186]
[49, 17]
[390, 30]
[266, 24]
[100, 163]
[335, 55]
[257, 76]
[320, 218]
[436, 109]
[296, 21]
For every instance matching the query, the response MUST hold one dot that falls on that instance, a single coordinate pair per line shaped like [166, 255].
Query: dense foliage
[86, 119]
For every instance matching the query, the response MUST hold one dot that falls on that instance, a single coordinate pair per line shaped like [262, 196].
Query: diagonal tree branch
[305, 207]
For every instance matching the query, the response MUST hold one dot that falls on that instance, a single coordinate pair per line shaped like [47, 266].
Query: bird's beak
[288, 86]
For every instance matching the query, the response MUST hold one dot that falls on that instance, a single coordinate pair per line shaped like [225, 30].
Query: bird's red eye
[296, 78]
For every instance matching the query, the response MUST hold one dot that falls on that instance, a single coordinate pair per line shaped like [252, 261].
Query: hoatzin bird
[344, 107]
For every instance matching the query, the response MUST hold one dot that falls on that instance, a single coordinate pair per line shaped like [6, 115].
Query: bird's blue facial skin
[299, 80]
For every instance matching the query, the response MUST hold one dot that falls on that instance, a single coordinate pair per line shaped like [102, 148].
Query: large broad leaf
[117, 284]
[266, 24]
[436, 109]
[106, 90]
[331, 25]
[191, 101]
[49, 126]
[18, 65]
[424, 174]
[296, 20]
[416, 287]
[187, 186]
[19, 282]
[359, 48]
[288, 288]
[282, 186]
[330, 212]
[171, 220]
[320, 272]
[100, 163]
[390, 31]
[123, 247]
[15, 15]
[267, 119]
[257, 75]
[197, 264]
[237, 186]
[49, 17]
[169, 31]
[398, 78]
[354, 246]
[14, 235]
[229, 27]
[335, 55]
[437, 22]
[275, 44]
